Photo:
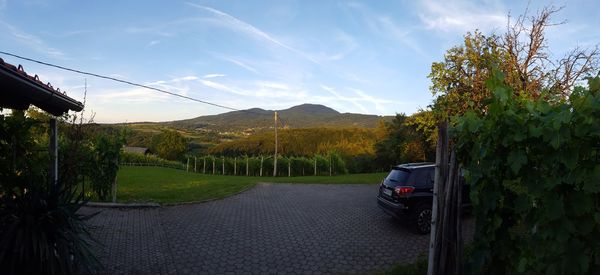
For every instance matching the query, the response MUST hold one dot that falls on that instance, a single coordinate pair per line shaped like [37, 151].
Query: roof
[19, 90]
[139, 150]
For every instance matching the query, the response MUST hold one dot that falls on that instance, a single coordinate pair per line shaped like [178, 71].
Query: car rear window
[398, 176]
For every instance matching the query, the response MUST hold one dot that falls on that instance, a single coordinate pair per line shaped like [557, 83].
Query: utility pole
[275, 157]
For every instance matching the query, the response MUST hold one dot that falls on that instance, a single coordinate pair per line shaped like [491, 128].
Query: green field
[166, 185]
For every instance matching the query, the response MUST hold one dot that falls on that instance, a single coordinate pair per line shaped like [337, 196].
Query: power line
[126, 82]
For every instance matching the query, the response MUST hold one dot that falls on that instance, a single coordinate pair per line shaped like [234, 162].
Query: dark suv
[407, 192]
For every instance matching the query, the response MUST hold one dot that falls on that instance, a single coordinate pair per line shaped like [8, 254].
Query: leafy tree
[403, 143]
[169, 145]
[521, 54]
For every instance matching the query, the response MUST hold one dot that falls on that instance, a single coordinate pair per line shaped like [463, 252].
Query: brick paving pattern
[270, 229]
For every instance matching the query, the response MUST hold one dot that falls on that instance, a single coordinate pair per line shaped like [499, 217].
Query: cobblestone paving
[272, 228]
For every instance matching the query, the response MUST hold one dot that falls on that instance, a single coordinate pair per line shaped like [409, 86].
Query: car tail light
[404, 190]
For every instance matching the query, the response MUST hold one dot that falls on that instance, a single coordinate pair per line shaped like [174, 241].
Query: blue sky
[354, 56]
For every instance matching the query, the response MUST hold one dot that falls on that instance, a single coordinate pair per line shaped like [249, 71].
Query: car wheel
[421, 218]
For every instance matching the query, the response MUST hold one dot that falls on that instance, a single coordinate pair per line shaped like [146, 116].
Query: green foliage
[169, 145]
[128, 158]
[403, 142]
[40, 229]
[534, 171]
[105, 163]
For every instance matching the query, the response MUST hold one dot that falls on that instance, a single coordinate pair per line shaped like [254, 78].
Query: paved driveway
[272, 228]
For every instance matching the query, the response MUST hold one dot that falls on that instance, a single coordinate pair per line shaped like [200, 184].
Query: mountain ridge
[301, 116]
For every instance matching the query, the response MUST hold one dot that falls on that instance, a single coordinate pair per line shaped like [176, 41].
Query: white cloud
[240, 64]
[153, 42]
[135, 95]
[222, 87]
[462, 16]
[31, 41]
[213, 75]
[354, 101]
[242, 26]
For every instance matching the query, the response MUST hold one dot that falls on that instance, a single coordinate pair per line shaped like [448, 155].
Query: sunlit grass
[166, 185]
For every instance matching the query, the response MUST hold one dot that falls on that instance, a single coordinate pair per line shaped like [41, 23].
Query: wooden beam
[53, 148]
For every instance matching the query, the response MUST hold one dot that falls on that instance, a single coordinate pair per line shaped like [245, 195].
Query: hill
[301, 116]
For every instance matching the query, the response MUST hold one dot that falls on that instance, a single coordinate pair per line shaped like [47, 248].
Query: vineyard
[256, 166]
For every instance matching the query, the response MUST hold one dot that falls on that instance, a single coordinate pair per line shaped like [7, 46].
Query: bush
[40, 230]
[535, 188]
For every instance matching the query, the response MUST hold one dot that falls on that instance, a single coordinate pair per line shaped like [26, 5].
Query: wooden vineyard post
[441, 164]
[261, 164]
[214, 165]
[235, 166]
[195, 160]
[445, 248]
[187, 165]
[204, 165]
[247, 166]
[315, 165]
[289, 167]
[223, 164]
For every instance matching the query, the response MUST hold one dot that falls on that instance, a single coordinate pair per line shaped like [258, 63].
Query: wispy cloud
[31, 41]
[240, 64]
[242, 26]
[352, 100]
[152, 43]
[461, 16]
[135, 95]
[388, 28]
[213, 75]
[222, 87]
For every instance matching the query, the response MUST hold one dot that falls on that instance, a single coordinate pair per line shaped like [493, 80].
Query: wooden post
[53, 152]
[114, 184]
[214, 165]
[330, 164]
[223, 164]
[247, 174]
[235, 166]
[187, 165]
[315, 165]
[195, 160]
[441, 170]
[204, 165]
[261, 164]
[289, 167]
[275, 155]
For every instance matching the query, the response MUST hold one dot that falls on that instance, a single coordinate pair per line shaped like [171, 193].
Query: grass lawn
[166, 185]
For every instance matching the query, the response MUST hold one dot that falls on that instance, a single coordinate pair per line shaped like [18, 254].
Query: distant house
[137, 150]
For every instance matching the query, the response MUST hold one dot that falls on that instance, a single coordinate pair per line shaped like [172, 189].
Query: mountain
[301, 116]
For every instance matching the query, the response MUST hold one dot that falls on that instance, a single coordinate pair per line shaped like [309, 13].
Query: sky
[369, 57]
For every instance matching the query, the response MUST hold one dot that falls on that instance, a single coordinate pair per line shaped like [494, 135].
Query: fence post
[289, 167]
[204, 165]
[195, 159]
[187, 165]
[261, 164]
[330, 164]
[235, 166]
[247, 166]
[315, 165]
[223, 164]
[214, 165]
[441, 171]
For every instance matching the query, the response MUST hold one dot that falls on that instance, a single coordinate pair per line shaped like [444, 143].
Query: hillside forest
[363, 149]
